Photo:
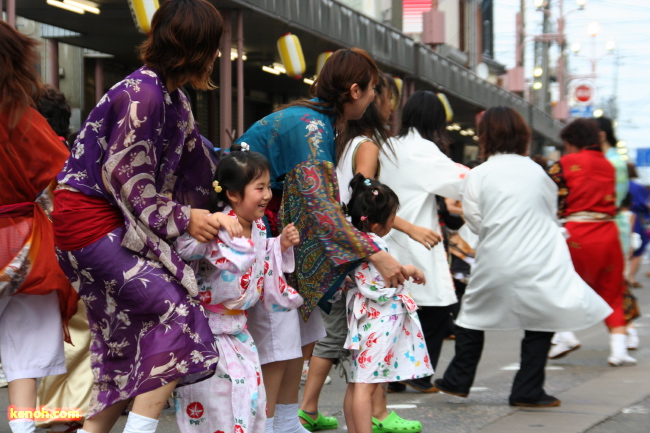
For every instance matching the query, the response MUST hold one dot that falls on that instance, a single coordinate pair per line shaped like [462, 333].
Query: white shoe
[632, 342]
[618, 356]
[563, 348]
[328, 380]
[621, 361]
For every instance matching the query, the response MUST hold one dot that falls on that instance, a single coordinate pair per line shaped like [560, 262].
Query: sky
[626, 23]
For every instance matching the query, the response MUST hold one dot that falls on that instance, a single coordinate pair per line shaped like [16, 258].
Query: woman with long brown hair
[35, 295]
[302, 141]
[139, 177]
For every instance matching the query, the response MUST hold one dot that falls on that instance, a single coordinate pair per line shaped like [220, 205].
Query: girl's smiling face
[252, 205]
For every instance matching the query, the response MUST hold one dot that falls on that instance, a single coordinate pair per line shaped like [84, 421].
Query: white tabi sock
[286, 419]
[140, 424]
[269, 425]
[22, 426]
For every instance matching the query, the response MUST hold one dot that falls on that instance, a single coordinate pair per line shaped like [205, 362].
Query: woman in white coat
[417, 171]
[523, 277]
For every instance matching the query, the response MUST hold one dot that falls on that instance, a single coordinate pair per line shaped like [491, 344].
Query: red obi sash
[80, 219]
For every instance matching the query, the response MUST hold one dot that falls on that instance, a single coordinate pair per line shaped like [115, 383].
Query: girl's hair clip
[245, 147]
[375, 192]
[363, 218]
[217, 187]
[367, 182]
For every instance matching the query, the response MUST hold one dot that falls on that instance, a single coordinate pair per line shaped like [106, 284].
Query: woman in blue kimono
[301, 141]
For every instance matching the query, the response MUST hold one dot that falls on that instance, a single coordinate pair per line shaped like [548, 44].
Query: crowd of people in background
[318, 238]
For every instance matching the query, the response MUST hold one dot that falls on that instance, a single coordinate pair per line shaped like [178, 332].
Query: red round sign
[584, 92]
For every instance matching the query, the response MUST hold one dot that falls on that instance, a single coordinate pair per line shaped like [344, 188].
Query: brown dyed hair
[371, 124]
[503, 130]
[582, 133]
[183, 41]
[20, 85]
[344, 68]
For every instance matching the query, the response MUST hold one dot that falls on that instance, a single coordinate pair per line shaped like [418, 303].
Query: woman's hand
[201, 226]
[290, 237]
[390, 269]
[228, 223]
[416, 274]
[425, 236]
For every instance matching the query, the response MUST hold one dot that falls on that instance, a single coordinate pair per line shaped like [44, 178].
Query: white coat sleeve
[436, 172]
[470, 196]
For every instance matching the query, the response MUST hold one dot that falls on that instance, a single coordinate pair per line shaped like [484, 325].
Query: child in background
[233, 274]
[384, 333]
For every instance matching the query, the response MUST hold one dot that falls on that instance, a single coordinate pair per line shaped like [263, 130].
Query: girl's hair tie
[245, 147]
[217, 187]
[363, 218]
[375, 192]
[367, 182]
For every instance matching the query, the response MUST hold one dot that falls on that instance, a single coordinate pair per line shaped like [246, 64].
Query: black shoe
[546, 401]
[421, 385]
[395, 387]
[441, 385]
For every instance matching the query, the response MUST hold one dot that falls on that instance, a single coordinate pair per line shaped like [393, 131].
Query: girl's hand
[290, 237]
[201, 226]
[425, 236]
[228, 223]
[390, 269]
[416, 274]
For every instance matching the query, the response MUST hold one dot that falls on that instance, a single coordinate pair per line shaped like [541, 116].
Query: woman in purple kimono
[137, 178]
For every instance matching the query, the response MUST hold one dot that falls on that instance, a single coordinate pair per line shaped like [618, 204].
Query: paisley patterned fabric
[299, 144]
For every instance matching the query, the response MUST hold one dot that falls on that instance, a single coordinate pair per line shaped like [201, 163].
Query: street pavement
[596, 398]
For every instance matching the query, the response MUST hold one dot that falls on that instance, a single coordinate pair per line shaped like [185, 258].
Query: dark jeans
[528, 385]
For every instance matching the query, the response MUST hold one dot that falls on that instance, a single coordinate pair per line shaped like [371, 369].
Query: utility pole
[521, 46]
[542, 60]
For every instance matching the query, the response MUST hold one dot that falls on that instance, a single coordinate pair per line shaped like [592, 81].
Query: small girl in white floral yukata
[233, 275]
[384, 332]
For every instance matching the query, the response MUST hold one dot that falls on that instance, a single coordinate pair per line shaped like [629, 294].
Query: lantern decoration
[320, 62]
[142, 12]
[398, 97]
[291, 55]
[449, 113]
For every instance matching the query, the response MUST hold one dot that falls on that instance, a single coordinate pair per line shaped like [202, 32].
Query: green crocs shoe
[322, 422]
[393, 423]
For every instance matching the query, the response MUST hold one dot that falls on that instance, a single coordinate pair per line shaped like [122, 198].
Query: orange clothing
[32, 155]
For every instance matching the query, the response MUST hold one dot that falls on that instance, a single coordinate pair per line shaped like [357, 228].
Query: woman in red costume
[35, 295]
[586, 182]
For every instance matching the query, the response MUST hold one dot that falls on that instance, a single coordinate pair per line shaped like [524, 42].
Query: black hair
[371, 202]
[236, 170]
[55, 108]
[425, 112]
[605, 124]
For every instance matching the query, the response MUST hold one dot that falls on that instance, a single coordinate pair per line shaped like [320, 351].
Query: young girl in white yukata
[384, 333]
[233, 274]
